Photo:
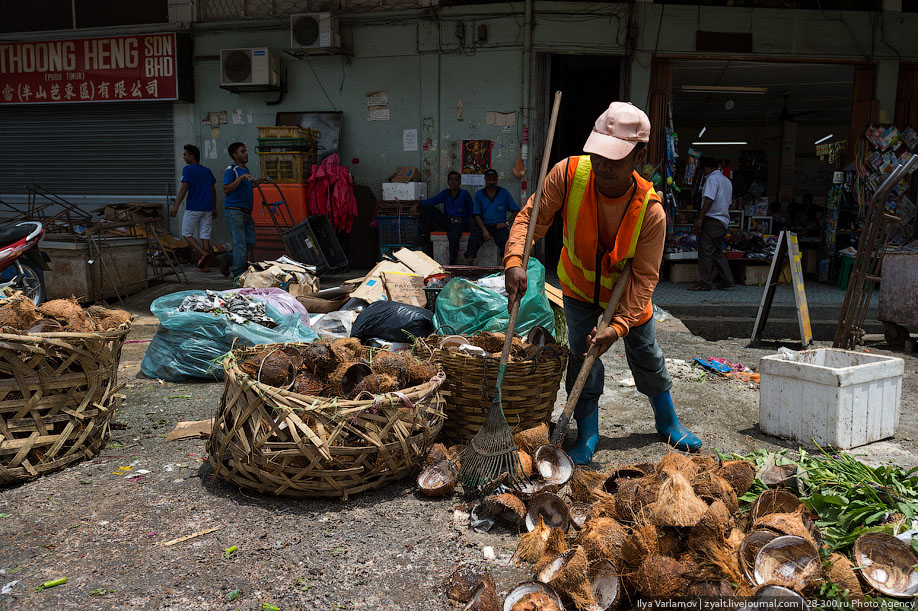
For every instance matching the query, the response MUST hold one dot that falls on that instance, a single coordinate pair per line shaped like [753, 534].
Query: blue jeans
[242, 232]
[645, 358]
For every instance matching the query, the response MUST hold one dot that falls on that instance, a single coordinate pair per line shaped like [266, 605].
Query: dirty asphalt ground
[386, 549]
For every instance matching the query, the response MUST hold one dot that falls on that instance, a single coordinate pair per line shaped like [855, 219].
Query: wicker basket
[272, 440]
[58, 393]
[528, 392]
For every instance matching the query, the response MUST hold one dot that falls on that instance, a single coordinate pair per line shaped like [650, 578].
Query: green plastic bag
[464, 307]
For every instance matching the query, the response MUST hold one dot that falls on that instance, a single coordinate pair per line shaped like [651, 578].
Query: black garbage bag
[392, 321]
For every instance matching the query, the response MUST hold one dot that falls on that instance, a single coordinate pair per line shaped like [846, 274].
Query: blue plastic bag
[464, 307]
[189, 344]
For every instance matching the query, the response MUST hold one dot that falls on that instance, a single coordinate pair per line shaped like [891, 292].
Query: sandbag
[392, 321]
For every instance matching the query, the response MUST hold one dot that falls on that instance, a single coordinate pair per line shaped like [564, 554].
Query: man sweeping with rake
[610, 214]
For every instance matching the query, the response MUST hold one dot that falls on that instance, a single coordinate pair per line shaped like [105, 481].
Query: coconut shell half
[439, 479]
[773, 596]
[605, 584]
[533, 596]
[549, 507]
[662, 577]
[794, 523]
[773, 501]
[677, 504]
[553, 465]
[887, 564]
[506, 507]
[568, 574]
[749, 549]
[461, 584]
[788, 561]
[580, 513]
[530, 440]
[614, 478]
[603, 539]
[711, 484]
[484, 598]
[437, 453]
[739, 474]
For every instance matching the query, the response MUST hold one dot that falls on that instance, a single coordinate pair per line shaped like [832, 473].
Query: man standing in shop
[457, 208]
[490, 209]
[610, 214]
[238, 186]
[200, 207]
[711, 227]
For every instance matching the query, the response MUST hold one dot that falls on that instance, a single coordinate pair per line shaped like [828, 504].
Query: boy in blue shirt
[238, 186]
[457, 209]
[201, 206]
[490, 209]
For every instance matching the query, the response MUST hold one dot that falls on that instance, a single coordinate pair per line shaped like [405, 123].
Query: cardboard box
[404, 191]
[318, 305]
[683, 273]
[405, 288]
[409, 262]
[406, 173]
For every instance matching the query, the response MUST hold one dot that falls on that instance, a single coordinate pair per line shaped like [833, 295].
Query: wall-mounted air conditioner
[314, 31]
[255, 67]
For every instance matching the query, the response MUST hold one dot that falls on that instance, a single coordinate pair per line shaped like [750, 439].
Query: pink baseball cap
[617, 131]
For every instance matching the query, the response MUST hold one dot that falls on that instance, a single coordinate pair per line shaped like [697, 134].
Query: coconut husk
[461, 584]
[335, 379]
[69, 312]
[375, 384]
[712, 589]
[580, 513]
[711, 484]
[677, 504]
[621, 474]
[536, 596]
[840, 571]
[18, 314]
[662, 577]
[455, 451]
[735, 538]
[489, 342]
[505, 506]
[584, 482]
[541, 543]
[529, 440]
[568, 574]
[347, 349]
[643, 541]
[739, 474]
[714, 525]
[787, 524]
[788, 561]
[319, 358]
[421, 372]
[273, 367]
[436, 453]
[439, 479]
[773, 501]
[308, 384]
[749, 549]
[106, 319]
[391, 364]
[705, 462]
[484, 598]
[633, 495]
[602, 539]
[677, 463]
[670, 542]
[718, 560]
[525, 462]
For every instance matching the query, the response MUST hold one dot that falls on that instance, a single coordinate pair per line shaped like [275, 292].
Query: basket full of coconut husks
[326, 419]
[529, 388]
[58, 383]
[630, 534]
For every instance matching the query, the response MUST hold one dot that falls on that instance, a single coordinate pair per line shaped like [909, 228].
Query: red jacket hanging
[330, 191]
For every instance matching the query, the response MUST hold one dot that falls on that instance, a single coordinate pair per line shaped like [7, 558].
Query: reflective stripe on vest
[580, 257]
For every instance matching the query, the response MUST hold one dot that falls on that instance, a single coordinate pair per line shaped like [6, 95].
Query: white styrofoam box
[833, 397]
[404, 191]
[487, 254]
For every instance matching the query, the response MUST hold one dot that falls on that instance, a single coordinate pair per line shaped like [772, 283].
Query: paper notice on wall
[214, 118]
[378, 113]
[500, 119]
[378, 106]
[474, 180]
[238, 116]
[378, 98]
[210, 149]
[214, 132]
[409, 139]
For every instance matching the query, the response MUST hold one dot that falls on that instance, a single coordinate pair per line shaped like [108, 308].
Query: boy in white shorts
[200, 208]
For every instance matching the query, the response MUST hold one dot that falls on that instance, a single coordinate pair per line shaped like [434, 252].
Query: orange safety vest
[582, 254]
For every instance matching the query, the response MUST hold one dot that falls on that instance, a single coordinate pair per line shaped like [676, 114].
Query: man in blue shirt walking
[200, 207]
[490, 209]
[457, 209]
[238, 186]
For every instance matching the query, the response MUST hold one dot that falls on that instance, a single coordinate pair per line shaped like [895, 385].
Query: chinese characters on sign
[118, 68]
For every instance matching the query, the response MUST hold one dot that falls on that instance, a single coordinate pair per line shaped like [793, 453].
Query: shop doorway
[588, 83]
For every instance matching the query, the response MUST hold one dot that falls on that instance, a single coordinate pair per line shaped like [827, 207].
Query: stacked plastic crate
[286, 153]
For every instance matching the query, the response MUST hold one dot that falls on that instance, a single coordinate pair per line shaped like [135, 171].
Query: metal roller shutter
[89, 149]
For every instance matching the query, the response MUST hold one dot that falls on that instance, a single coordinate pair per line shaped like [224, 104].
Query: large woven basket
[528, 392]
[58, 393]
[272, 440]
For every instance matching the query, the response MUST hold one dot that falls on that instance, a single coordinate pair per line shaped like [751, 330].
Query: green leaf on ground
[234, 594]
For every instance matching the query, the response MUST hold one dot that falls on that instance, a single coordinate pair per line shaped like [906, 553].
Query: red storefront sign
[111, 69]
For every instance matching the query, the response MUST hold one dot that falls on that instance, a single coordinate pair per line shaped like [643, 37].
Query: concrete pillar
[638, 92]
[887, 78]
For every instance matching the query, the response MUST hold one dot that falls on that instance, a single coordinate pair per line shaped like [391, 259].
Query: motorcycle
[22, 264]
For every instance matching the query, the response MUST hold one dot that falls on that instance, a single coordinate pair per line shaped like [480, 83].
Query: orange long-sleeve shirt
[647, 255]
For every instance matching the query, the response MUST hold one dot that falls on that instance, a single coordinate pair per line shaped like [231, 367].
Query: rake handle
[565, 420]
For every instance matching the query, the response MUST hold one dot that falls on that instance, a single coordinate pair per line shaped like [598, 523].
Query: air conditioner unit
[314, 31]
[249, 68]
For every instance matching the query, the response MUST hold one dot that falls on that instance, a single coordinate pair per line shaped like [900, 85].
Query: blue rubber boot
[587, 438]
[669, 426]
